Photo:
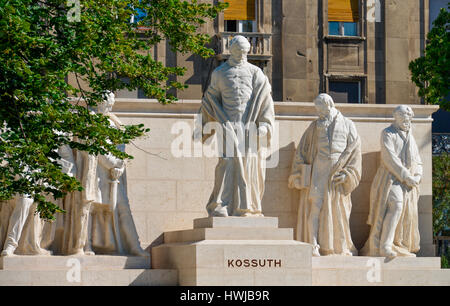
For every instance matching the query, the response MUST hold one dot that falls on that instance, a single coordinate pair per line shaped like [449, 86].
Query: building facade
[356, 50]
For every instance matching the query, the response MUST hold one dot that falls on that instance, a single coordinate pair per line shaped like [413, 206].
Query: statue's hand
[262, 131]
[339, 178]
[73, 172]
[294, 182]
[412, 182]
[418, 179]
[119, 163]
[116, 173]
[297, 184]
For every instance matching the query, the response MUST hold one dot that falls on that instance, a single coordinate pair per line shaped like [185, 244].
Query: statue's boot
[219, 211]
[43, 252]
[315, 251]
[387, 252]
[250, 214]
[88, 252]
[8, 251]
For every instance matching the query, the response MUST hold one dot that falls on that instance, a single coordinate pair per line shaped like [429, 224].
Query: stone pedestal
[378, 271]
[235, 251]
[95, 270]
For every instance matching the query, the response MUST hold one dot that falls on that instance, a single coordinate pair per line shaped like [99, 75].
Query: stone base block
[378, 271]
[237, 263]
[97, 262]
[199, 234]
[235, 251]
[128, 277]
[95, 270]
[236, 222]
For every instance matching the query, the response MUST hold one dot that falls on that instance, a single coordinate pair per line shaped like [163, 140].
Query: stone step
[365, 262]
[129, 277]
[378, 271]
[199, 234]
[236, 222]
[97, 262]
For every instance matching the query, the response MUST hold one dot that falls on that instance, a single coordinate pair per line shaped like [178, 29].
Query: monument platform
[235, 251]
[378, 271]
[231, 251]
[98, 270]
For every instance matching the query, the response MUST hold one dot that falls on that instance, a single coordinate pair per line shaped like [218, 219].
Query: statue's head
[239, 47]
[324, 105]
[403, 115]
[107, 104]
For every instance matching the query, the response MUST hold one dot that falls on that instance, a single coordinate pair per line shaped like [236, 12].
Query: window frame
[359, 23]
[347, 81]
[342, 29]
[240, 26]
[240, 23]
[360, 79]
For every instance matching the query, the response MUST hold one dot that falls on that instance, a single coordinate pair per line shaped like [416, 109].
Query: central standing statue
[239, 100]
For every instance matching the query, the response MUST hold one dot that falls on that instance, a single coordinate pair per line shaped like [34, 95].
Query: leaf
[40, 49]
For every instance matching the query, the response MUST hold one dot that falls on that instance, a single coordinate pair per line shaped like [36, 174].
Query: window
[345, 91]
[240, 16]
[240, 26]
[138, 16]
[131, 94]
[343, 28]
[343, 17]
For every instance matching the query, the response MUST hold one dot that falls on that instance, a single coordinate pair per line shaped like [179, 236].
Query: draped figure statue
[239, 100]
[326, 169]
[394, 193]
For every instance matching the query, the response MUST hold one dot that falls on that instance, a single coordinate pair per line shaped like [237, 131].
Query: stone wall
[167, 193]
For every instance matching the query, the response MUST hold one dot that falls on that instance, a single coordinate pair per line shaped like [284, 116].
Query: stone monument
[97, 219]
[13, 222]
[236, 250]
[239, 99]
[326, 169]
[65, 235]
[111, 229]
[394, 193]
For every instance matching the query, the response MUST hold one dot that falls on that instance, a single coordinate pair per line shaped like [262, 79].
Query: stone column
[294, 42]
[403, 44]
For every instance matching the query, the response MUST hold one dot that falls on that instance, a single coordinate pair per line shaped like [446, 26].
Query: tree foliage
[431, 72]
[42, 43]
[441, 194]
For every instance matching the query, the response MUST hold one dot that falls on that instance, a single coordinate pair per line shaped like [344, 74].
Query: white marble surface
[394, 195]
[326, 169]
[238, 99]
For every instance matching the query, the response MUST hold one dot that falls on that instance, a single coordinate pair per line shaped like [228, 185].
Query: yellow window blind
[343, 10]
[240, 10]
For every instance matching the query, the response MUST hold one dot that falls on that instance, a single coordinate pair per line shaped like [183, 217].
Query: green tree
[431, 72]
[42, 42]
[441, 194]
